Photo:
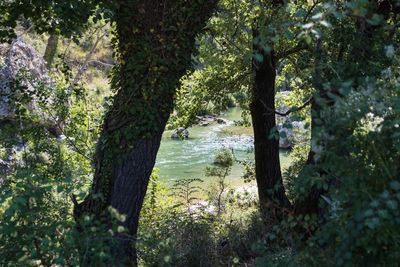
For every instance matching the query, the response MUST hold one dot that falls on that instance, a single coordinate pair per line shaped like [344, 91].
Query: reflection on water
[186, 159]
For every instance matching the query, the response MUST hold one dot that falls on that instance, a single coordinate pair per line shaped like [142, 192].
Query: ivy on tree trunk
[154, 41]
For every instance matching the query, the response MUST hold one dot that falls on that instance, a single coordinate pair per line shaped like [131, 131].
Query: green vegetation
[80, 132]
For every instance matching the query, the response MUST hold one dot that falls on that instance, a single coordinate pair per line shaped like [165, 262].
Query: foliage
[345, 65]
[169, 234]
[37, 224]
[223, 164]
[222, 71]
[354, 145]
[54, 16]
[363, 216]
[186, 192]
[223, 158]
[172, 235]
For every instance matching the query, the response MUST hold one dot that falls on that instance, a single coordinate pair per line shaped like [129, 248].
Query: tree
[153, 44]
[153, 56]
[241, 52]
[347, 59]
[266, 149]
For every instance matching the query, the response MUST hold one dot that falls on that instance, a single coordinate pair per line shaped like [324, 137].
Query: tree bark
[267, 163]
[154, 46]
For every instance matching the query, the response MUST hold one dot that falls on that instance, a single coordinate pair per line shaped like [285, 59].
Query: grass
[236, 130]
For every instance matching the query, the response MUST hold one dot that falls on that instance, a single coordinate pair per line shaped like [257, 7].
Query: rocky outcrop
[180, 133]
[22, 71]
[20, 62]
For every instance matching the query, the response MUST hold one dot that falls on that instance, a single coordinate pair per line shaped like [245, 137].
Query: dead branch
[83, 67]
[271, 111]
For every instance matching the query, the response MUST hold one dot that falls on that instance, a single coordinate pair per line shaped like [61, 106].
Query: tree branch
[68, 138]
[101, 63]
[271, 111]
[83, 67]
[310, 10]
[290, 51]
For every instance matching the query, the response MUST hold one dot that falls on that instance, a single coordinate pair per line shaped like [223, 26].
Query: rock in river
[180, 132]
[222, 121]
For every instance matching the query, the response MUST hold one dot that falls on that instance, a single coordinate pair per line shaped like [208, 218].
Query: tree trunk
[268, 168]
[130, 181]
[154, 46]
[51, 50]
[310, 204]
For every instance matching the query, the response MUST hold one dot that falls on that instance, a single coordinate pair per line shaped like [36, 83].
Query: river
[187, 159]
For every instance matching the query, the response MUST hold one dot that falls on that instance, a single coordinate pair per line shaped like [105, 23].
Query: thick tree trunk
[268, 168]
[130, 180]
[154, 47]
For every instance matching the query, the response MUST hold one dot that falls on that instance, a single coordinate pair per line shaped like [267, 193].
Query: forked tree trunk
[262, 107]
[155, 41]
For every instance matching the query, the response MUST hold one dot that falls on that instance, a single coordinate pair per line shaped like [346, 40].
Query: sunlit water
[188, 158]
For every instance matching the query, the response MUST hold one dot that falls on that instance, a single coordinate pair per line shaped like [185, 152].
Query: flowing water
[187, 159]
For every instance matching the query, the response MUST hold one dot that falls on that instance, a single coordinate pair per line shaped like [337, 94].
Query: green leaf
[259, 57]
[9, 212]
[21, 200]
[368, 213]
[392, 204]
[385, 194]
[308, 39]
[374, 203]
[301, 13]
[267, 49]
[395, 185]
[325, 23]
[317, 16]
[383, 213]
[375, 20]
[358, 217]
[325, 186]
[338, 15]
[308, 25]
